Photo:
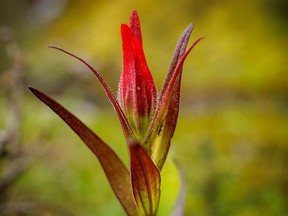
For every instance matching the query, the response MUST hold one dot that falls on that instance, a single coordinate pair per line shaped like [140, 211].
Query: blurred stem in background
[10, 147]
[13, 161]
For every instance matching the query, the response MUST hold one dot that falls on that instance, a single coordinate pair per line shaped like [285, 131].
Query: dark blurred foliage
[232, 134]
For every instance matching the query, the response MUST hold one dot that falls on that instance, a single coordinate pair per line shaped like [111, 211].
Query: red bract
[137, 91]
[148, 121]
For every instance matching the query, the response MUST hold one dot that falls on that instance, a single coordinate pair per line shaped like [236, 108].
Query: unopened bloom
[148, 121]
[137, 91]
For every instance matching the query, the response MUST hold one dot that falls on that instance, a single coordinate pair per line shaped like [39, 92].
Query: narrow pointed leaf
[145, 179]
[178, 53]
[160, 122]
[161, 147]
[129, 135]
[178, 69]
[115, 170]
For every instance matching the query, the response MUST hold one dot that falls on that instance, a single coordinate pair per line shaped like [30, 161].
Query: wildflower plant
[148, 120]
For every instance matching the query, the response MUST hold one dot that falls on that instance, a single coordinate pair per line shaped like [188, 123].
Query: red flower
[137, 91]
[148, 121]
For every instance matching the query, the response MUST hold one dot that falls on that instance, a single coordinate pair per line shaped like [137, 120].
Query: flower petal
[129, 135]
[145, 179]
[115, 170]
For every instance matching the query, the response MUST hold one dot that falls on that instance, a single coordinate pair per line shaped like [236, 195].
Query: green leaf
[146, 180]
[116, 172]
[170, 188]
[180, 203]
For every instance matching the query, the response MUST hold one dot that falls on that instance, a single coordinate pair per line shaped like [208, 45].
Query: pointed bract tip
[134, 18]
[134, 13]
[191, 26]
[134, 24]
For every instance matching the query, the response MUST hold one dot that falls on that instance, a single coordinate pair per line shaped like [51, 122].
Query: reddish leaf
[165, 118]
[178, 53]
[170, 120]
[116, 172]
[129, 135]
[145, 180]
[171, 83]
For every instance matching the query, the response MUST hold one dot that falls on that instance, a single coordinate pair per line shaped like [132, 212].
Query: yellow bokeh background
[231, 140]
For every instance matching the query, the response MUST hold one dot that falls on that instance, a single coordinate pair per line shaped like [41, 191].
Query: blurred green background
[232, 134]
